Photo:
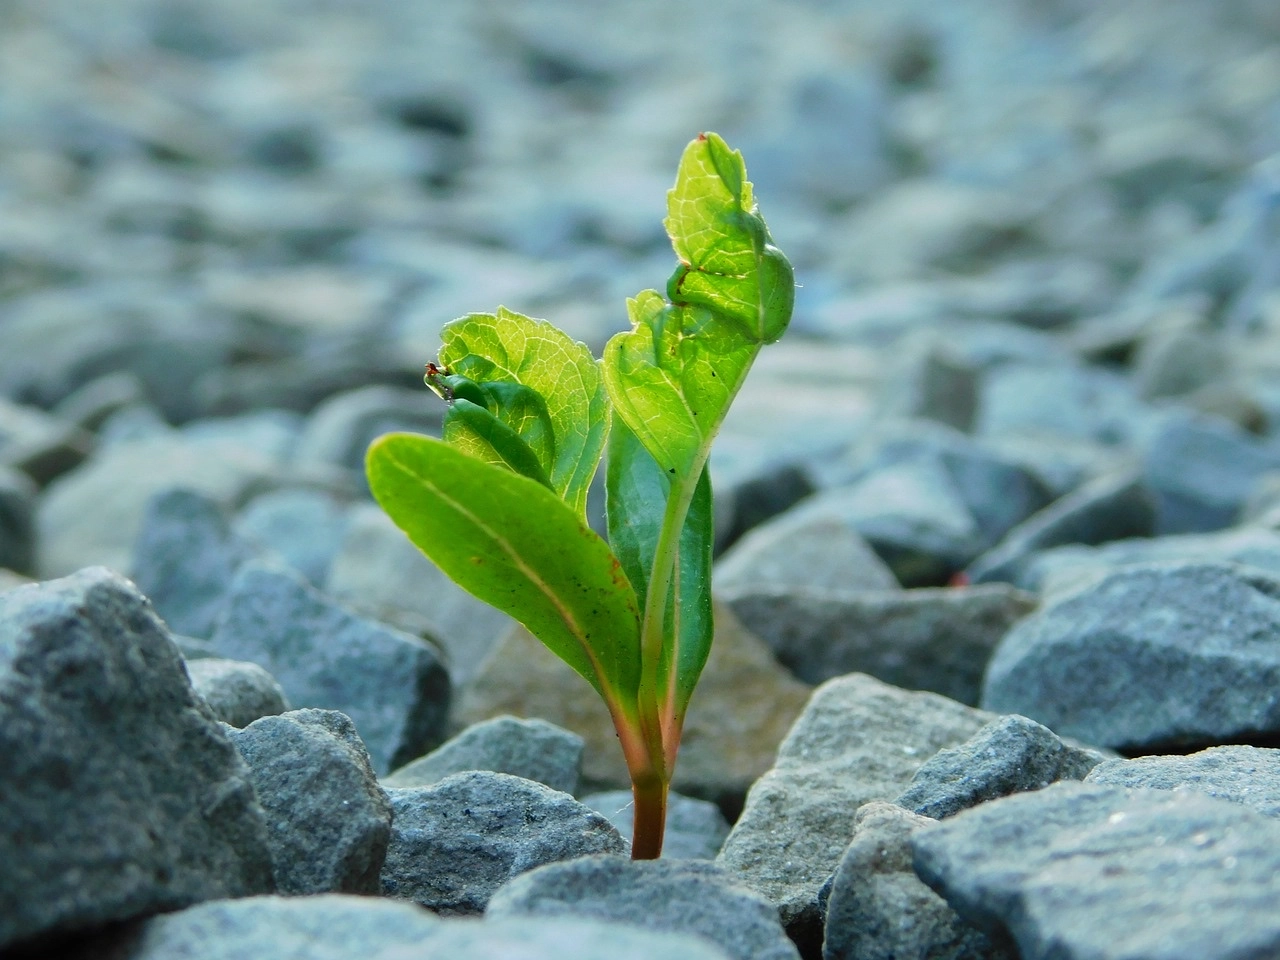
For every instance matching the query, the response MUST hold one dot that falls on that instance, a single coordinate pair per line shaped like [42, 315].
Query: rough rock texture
[119, 793]
[1069, 872]
[329, 820]
[878, 909]
[532, 749]
[237, 692]
[1009, 755]
[926, 639]
[454, 843]
[695, 829]
[1247, 775]
[740, 711]
[391, 684]
[670, 896]
[1161, 654]
[858, 740]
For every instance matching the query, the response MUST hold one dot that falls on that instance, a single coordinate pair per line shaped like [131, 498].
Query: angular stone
[1243, 774]
[185, 558]
[1148, 655]
[1009, 755]
[532, 749]
[119, 794]
[304, 527]
[677, 896]
[329, 820]
[1079, 871]
[391, 684]
[878, 909]
[927, 639]
[858, 740]
[454, 843]
[695, 829]
[739, 713]
[238, 693]
[40, 445]
[17, 520]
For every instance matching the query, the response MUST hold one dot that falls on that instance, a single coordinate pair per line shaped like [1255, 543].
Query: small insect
[434, 379]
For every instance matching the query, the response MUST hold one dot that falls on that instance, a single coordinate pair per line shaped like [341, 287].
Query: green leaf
[480, 434]
[514, 544]
[508, 347]
[637, 494]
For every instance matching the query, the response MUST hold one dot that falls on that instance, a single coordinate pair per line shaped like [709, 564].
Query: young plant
[499, 504]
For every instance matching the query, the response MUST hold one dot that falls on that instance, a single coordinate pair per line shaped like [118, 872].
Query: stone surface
[858, 740]
[329, 820]
[185, 557]
[1243, 774]
[669, 896]
[532, 749]
[454, 843]
[120, 794]
[238, 693]
[695, 829]
[391, 684]
[739, 713]
[1009, 755]
[304, 527]
[878, 909]
[1086, 870]
[936, 639]
[17, 520]
[1148, 655]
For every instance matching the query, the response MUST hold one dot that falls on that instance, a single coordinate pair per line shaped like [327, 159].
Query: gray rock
[1243, 774]
[329, 821]
[753, 490]
[929, 380]
[878, 909]
[391, 684]
[340, 430]
[185, 558]
[1058, 399]
[1174, 363]
[1009, 755]
[17, 520]
[40, 445]
[679, 896]
[857, 740]
[304, 527]
[1148, 655]
[454, 843]
[1202, 470]
[121, 796]
[271, 432]
[695, 829]
[378, 572]
[795, 549]
[1111, 507]
[927, 639]
[324, 927]
[533, 749]
[238, 693]
[1085, 870]
[90, 405]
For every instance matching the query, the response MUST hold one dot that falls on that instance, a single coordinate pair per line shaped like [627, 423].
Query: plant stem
[649, 823]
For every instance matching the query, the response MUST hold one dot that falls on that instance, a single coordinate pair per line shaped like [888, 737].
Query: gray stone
[1009, 755]
[878, 909]
[380, 573]
[390, 683]
[271, 432]
[1202, 470]
[455, 842]
[533, 749]
[1059, 399]
[926, 639]
[17, 520]
[90, 405]
[304, 527]
[795, 549]
[340, 430]
[929, 380]
[329, 821]
[695, 829]
[677, 896]
[857, 740]
[1148, 655]
[185, 558]
[1243, 774]
[120, 794]
[1085, 870]
[39, 444]
[1175, 363]
[238, 693]
[1111, 507]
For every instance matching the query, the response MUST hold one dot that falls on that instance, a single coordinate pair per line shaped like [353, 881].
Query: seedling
[499, 504]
